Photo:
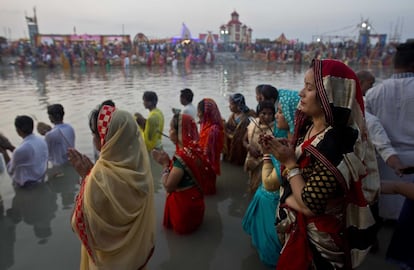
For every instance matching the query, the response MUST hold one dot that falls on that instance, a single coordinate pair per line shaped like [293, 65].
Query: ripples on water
[30, 91]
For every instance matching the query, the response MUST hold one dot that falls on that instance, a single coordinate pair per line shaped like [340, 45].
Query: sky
[297, 19]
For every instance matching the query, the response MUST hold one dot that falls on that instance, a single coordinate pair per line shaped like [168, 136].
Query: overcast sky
[298, 19]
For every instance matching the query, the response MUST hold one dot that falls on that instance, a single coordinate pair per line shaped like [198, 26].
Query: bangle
[165, 171]
[293, 172]
[286, 171]
[266, 157]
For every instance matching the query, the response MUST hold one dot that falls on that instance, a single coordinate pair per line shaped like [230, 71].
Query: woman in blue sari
[259, 220]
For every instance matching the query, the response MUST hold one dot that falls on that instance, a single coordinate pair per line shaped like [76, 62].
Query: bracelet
[266, 157]
[165, 171]
[286, 171]
[293, 172]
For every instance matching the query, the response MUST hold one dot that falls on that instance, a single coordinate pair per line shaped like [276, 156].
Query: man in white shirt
[186, 99]
[28, 164]
[392, 102]
[60, 137]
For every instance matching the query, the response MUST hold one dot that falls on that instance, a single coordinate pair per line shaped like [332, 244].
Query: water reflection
[35, 206]
[64, 182]
[8, 238]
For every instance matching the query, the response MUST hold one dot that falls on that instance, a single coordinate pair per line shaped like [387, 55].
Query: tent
[282, 39]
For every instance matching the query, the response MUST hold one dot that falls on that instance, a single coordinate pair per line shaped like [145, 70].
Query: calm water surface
[35, 231]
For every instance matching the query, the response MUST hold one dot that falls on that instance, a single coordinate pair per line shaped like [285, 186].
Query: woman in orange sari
[211, 138]
[183, 175]
[114, 214]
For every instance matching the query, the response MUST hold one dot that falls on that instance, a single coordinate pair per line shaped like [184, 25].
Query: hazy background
[298, 19]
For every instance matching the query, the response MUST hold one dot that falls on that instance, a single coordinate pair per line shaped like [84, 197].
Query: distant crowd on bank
[316, 161]
[167, 53]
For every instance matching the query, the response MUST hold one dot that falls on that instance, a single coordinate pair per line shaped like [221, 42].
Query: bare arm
[403, 188]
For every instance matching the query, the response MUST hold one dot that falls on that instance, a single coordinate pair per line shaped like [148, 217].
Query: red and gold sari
[212, 139]
[184, 208]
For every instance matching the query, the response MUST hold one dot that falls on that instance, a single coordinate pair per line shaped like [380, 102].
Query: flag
[30, 20]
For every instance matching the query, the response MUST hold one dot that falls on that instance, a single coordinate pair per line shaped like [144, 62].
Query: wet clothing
[212, 140]
[29, 161]
[59, 139]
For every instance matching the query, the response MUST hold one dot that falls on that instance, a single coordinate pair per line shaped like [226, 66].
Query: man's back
[393, 103]
[59, 139]
[29, 161]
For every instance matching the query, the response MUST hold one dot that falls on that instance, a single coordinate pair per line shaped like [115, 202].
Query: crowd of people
[311, 159]
[162, 52]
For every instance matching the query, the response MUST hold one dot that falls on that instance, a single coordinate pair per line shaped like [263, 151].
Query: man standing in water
[60, 137]
[153, 126]
[28, 164]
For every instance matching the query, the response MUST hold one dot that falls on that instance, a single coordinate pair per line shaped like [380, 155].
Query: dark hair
[175, 120]
[24, 123]
[265, 104]
[200, 106]
[151, 97]
[404, 57]
[56, 111]
[187, 94]
[108, 102]
[259, 88]
[269, 92]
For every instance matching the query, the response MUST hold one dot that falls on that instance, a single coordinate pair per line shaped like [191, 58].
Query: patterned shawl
[114, 214]
[212, 133]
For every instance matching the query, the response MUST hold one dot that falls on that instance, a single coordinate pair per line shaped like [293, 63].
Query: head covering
[115, 205]
[211, 113]
[212, 133]
[239, 100]
[189, 152]
[288, 100]
[345, 149]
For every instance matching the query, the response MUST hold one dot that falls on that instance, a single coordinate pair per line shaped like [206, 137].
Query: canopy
[282, 39]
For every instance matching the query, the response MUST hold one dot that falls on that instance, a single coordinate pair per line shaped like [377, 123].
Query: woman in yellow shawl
[114, 214]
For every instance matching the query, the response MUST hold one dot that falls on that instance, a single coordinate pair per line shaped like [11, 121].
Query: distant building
[235, 31]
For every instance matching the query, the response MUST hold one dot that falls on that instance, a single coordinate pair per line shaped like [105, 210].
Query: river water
[35, 231]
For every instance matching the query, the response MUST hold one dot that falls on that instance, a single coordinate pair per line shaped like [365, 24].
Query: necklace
[316, 134]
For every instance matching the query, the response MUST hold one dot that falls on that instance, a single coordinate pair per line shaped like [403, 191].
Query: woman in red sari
[182, 176]
[211, 138]
[330, 174]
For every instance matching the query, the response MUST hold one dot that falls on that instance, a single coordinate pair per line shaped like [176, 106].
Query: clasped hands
[161, 157]
[80, 162]
[281, 149]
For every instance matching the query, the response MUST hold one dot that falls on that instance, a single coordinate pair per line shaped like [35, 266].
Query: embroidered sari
[211, 139]
[339, 168]
[114, 214]
[184, 208]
